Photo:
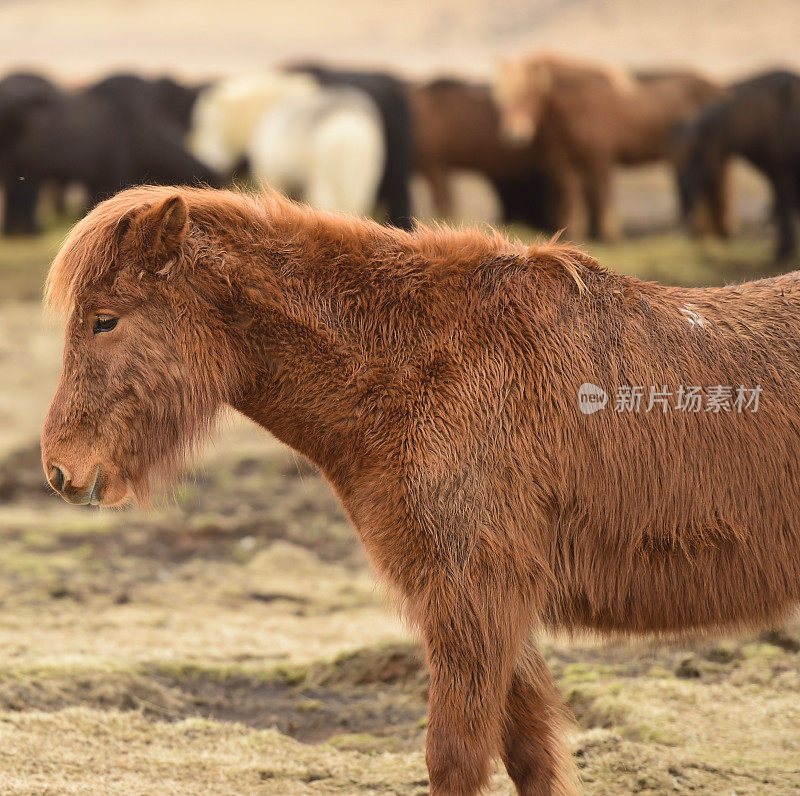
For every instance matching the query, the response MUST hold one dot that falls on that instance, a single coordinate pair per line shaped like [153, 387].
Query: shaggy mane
[90, 250]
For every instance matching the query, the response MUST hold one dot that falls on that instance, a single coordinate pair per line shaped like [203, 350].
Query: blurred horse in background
[456, 126]
[758, 120]
[163, 96]
[158, 111]
[58, 138]
[713, 211]
[326, 148]
[324, 145]
[103, 138]
[586, 118]
[21, 93]
[389, 95]
[226, 115]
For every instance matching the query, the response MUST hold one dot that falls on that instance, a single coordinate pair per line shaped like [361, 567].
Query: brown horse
[586, 118]
[456, 125]
[434, 377]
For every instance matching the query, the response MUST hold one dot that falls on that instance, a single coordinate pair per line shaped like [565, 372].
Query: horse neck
[719, 138]
[313, 337]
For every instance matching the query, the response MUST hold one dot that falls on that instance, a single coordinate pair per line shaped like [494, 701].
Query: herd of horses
[547, 132]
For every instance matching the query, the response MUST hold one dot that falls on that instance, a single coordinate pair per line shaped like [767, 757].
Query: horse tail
[394, 189]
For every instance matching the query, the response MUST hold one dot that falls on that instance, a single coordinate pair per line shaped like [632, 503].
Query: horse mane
[89, 253]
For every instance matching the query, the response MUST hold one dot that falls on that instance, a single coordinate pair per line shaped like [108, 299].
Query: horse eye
[104, 323]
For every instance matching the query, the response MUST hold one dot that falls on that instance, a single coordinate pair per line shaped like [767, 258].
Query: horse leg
[786, 200]
[598, 186]
[719, 203]
[472, 635]
[534, 752]
[567, 184]
[441, 193]
[19, 213]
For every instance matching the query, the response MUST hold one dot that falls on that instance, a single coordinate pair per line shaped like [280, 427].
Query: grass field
[233, 641]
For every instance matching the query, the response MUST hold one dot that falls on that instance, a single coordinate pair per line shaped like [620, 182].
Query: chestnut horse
[586, 118]
[433, 376]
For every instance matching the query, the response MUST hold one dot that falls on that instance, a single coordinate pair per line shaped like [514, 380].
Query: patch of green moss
[366, 743]
[762, 652]
[308, 705]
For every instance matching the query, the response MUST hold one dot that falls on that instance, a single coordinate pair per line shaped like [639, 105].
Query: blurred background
[234, 640]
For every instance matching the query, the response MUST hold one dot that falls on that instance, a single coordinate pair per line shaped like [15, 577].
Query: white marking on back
[693, 318]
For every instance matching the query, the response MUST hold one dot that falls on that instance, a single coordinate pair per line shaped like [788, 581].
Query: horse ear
[158, 230]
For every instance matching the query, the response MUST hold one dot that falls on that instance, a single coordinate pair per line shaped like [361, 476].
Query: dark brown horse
[436, 379]
[758, 120]
[457, 126]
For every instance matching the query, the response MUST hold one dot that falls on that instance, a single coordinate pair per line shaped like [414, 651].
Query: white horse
[326, 147]
[226, 114]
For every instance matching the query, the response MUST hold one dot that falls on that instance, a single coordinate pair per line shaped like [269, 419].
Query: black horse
[165, 96]
[157, 114]
[758, 120]
[98, 138]
[49, 136]
[389, 95]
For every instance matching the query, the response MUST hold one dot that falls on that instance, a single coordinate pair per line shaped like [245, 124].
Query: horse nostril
[57, 478]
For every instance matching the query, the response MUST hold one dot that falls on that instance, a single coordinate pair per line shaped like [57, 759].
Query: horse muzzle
[95, 490]
[517, 131]
[58, 476]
